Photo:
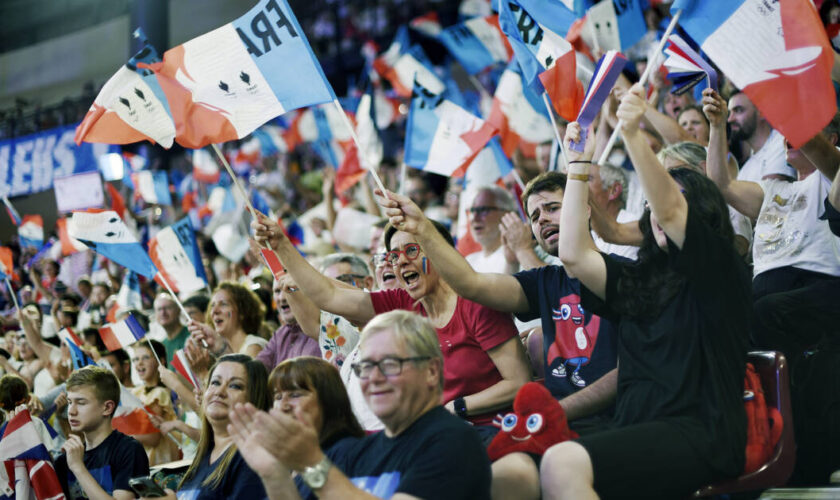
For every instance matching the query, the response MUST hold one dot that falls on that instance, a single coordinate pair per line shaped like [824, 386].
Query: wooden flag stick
[362, 158]
[643, 80]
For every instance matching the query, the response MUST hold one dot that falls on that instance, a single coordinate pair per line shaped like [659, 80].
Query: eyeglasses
[390, 367]
[481, 211]
[411, 251]
[379, 258]
[349, 278]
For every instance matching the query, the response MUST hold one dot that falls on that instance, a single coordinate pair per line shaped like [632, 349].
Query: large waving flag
[769, 50]
[557, 16]
[23, 440]
[401, 64]
[106, 234]
[546, 58]
[477, 43]
[174, 252]
[69, 245]
[13, 213]
[129, 296]
[491, 163]
[152, 186]
[131, 416]
[519, 114]
[131, 107]
[617, 25]
[442, 137]
[121, 334]
[31, 232]
[224, 84]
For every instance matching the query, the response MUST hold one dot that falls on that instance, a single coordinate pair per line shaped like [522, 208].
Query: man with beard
[767, 160]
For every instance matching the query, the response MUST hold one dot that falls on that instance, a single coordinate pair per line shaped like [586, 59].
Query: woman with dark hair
[683, 317]
[218, 470]
[235, 313]
[485, 363]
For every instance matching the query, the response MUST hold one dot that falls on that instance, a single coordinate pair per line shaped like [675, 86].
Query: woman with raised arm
[683, 312]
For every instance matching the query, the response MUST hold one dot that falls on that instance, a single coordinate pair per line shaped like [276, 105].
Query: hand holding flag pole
[643, 80]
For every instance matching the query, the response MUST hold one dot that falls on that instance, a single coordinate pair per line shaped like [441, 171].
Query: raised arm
[580, 258]
[746, 197]
[663, 193]
[668, 128]
[519, 243]
[497, 291]
[823, 155]
[612, 231]
[353, 304]
[27, 319]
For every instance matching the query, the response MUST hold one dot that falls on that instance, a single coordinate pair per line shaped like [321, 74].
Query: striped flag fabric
[69, 245]
[175, 254]
[23, 441]
[106, 234]
[131, 416]
[131, 106]
[6, 263]
[152, 187]
[769, 50]
[129, 296]
[31, 232]
[74, 343]
[401, 64]
[121, 334]
[686, 68]
[477, 43]
[13, 213]
[205, 168]
[182, 366]
[519, 114]
[604, 77]
[442, 137]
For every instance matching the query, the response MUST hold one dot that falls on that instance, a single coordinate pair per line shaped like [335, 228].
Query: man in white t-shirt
[768, 146]
[485, 215]
[796, 257]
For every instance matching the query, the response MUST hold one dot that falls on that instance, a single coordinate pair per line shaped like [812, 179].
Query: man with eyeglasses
[485, 215]
[424, 451]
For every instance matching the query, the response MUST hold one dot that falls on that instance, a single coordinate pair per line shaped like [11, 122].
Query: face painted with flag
[769, 49]
[442, 137]
[107, 234]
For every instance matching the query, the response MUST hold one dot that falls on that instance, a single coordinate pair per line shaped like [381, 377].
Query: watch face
[314, 477]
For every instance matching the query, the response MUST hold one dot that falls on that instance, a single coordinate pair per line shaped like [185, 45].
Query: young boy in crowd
[100, 463]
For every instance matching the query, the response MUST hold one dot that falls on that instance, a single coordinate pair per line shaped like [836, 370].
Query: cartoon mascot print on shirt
[574, 338]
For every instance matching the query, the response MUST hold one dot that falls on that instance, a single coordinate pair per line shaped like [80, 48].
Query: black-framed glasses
[390, 366]
[350, 278]
[481, 211]
[411, 252]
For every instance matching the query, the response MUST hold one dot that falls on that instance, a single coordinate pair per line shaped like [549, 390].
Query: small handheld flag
[182, 366]
[686, 68]
[606, 73]
[10, 209]
[31, 232]
[121, 334]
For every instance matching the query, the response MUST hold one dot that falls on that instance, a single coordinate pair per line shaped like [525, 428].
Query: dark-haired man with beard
[767, 160]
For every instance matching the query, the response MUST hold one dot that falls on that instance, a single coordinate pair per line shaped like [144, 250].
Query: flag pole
[362, 157]
[554, 126]
[643, 80]
[178, 302]
[403, 177]
[518, 179]
[12, 293]
[235, 181]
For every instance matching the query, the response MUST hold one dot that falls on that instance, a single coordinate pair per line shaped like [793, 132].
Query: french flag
[519, 114]
[31, 232]
[121, 334]
[129, 296]
[402, 64]
[13, 213]
[74, 343]
[368, 131]
[106, 234]
[546, 58]
[131, 106]
[617, 26]
[182, 366]
[69, 245]
[175, 253]
[23, 441]
[477, 43]
[131, 416]
[686, 68]
[769, 50]
[205, 168]
[6, 263]
[442, 137]
[604, 77]
[152, 187]
[428, 24]
[491, 164]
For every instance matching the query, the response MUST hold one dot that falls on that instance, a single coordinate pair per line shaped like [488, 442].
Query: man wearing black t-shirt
[424, 451]
[101, 465]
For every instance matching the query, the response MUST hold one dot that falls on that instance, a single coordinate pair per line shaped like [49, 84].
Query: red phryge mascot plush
[537, 422]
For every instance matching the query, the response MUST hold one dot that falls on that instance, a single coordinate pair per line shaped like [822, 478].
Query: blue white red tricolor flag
[31, 232]
[769, 49]
[686, 68]
[24, 441]
[131, 416]
[106, 234]
[174, 252]
[428, 24]
[547, 60]
[13, 213]
[74, 343]
[491, 164]
[606, 73]
[152, 187]
[617, 25]
[182, 365]
[401, 64]
[442, 137]
[121, 334]
[477, 43]
[205, 168]
[518, 114]
[6, 263]
[129, 295]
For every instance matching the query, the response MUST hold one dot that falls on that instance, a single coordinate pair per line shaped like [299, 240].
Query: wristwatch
[316, 476]
[460, 407]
